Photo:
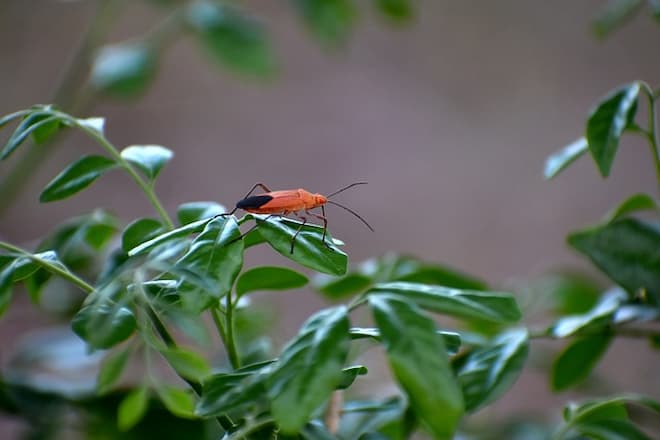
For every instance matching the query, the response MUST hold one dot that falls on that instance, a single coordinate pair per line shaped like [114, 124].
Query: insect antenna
[345, 188]
[350, 210]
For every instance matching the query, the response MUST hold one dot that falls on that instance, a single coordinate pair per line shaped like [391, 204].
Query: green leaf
[452, 340]
[6, 119]
[395, 267]
[6, 285]
[491, 306]
[655, 8]
[226, 392]
[316, 430]
[132, 408]
[350, 374]
[234, 39]
[179, 402]
[339, 288]
[611, 430]
[577, 360]
[636, 313]
[140, 231]
[396, 10]
[330, 20]
[111, 370]
[309, 249]
[187, 363]
[309, 369]
[23, 267]
[605, 418]
[626, 250]
[97, 124]
[193, 211]
[607, 122]
[103, 322]
[595, 319]
[150, 159]
[269, 278]
[418, 359]
[44, 132]
[172, 235]
[76, 177]
[124, 69]
[487, 372]
[40, 121]
[216, 254]
[373, 416]
[635, 203]
[615, 14]
[560, 160]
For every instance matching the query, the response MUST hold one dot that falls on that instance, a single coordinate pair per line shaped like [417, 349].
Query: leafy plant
[454, 345]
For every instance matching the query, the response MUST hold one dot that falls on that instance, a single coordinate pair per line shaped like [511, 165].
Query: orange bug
[292, 201]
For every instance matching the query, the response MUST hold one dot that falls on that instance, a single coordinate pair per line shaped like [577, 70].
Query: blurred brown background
[449, 119]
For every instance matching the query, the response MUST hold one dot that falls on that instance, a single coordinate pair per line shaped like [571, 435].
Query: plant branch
[49, 266]
[112, 150]
[652, 130]
[250, 427]
[68, 95]
[620, 331]
[231, 339]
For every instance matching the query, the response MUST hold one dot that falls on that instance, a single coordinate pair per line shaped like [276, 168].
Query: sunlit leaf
[607, 122]
[560, 160]
[150, 159]
[490, 306]
[124, 69]
[595, 319]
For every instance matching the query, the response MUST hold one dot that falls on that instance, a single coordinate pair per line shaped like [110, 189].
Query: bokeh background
[449, 118]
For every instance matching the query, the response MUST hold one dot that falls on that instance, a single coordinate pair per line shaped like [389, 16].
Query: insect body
[292, 201]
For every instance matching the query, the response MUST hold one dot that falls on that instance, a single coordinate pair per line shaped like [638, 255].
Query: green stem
[144, 186]
[231, 340]
[224, 421]
[357, 302]
[49, 266]
[620, 331]
[250, 427]
[652, 131]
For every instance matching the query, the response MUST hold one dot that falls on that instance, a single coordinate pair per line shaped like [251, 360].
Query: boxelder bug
[292, 201]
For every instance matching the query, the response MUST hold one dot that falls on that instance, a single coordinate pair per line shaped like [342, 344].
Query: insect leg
[325, 224]
[242, 236]
[304, 220]
[256, 185]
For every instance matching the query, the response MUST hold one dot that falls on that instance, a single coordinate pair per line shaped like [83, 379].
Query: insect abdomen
[253, 202]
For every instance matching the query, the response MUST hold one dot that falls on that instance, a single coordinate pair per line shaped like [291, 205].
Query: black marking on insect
[253, 202]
